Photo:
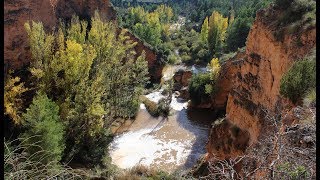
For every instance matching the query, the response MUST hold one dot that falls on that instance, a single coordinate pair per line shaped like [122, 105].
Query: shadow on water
[198, 122]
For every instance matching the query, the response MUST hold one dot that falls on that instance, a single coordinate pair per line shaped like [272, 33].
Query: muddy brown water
[169, 144]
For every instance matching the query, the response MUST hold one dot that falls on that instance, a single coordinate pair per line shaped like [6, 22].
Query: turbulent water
[169, 144]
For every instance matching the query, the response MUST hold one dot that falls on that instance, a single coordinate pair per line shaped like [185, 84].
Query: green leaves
[298, 80]
[94, 79]
[199, 87]
[45, 130]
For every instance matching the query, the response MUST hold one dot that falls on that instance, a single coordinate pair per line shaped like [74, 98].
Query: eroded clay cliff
[250, 82]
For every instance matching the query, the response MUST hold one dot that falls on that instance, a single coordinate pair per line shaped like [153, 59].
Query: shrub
[44, 129]
[301, 11]
[298, 80]
[310, 98]
[197, 87]
[184, 48]
[291, 171]
[172, 59]
[186, 58]
[163, 107]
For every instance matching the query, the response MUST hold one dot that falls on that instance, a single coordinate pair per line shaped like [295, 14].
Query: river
[173, 143]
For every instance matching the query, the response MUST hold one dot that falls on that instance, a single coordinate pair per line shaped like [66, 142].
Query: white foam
[142, 106]
[155, 96]
[142, 147]
[178, 104]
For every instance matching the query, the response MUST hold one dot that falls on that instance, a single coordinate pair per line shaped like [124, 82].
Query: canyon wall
[18, 12]
[250, 82]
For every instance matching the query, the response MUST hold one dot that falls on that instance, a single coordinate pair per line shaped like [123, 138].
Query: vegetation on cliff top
[85, 76]
[299, 80]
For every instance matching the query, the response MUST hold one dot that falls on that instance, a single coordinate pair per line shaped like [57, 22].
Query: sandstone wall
[250, 83]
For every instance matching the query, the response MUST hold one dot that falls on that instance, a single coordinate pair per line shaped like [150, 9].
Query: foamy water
[166, 143]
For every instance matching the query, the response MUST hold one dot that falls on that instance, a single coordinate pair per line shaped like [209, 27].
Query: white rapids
[172, 143]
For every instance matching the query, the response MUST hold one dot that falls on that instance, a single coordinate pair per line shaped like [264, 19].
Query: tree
[44, 129]
[197, 87]
[231, 16]
[13, 90]
[41, 45]
[204, 31]
[86, 78]
[217, 29]
[237, 33]
[165, 13]
[214, 67]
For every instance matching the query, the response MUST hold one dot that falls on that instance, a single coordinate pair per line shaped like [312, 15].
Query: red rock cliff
[251, 82]
[18, 12]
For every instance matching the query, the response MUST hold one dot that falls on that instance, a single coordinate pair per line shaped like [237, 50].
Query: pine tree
[45, 132]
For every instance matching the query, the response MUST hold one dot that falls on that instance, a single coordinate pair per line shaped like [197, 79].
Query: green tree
[165, 13]
[204, 31]
[44, 129]
[237, 33]
[86, 79]
[198, 87]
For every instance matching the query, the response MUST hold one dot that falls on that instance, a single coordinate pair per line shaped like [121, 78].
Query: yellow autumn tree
[217, 31]
[165, 13]
[214, 67]
[13, 90]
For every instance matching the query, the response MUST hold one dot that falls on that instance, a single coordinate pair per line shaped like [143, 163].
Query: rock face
[181, 81]
[227, 140]
[182, 77]
[18, 12]
[250, 82]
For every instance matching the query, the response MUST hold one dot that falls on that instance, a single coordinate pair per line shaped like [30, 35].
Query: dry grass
[18, 164]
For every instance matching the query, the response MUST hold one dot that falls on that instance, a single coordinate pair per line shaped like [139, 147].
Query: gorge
[242, 125]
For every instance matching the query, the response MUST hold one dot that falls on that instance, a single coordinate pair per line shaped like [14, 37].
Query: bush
[198, 87]
[163, 107]
[184, 48]
[186, 58]
[301, 11]
[44, 129]
[172, 59]
[310, 98]
[298, 80]
[291, 171]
